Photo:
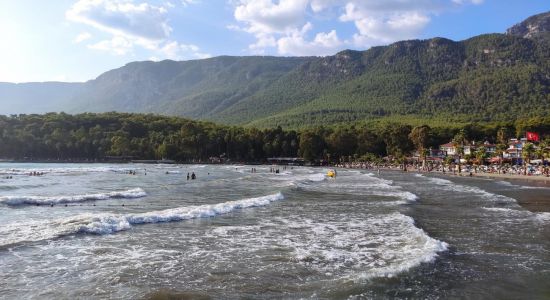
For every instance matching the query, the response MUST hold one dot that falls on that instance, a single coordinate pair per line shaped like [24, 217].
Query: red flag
[531, 136]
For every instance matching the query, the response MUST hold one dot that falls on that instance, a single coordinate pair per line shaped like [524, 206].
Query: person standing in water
[187, 175]
[193, 176]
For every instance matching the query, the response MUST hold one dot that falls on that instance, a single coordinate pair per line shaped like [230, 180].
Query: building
[448, 149]
[451, 150]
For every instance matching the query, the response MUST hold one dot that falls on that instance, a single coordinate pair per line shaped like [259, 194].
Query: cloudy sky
[77, 40]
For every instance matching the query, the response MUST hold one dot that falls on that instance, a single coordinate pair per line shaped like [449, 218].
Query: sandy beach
[534, 200]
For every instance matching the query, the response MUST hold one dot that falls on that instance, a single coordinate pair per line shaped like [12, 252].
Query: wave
[451, 186]
[426, 251]
[65, 171]
[364, 184]
[46, 200]
[523, 187]
[17, 233]
[360, 248]
[543, 216]
[516, 213]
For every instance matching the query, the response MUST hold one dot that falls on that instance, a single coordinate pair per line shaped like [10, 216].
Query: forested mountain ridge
[532, 27]
[485, 78]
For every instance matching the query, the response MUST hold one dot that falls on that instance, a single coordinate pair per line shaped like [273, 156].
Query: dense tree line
[96, 136]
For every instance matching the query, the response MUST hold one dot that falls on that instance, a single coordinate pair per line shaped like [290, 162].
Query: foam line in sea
[31, 231]
[63, 199]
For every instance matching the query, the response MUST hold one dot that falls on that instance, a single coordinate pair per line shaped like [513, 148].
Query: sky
[77, 40]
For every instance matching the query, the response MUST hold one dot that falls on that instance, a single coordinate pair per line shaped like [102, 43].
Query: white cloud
[175, 50]
[320, 5]
[122, 17]
[383, 23]
[296, 44]
[282, 25]
[118, 45]
[82, 37]
[132, 25]
[461, 2]
[381, 27]
[279, 24]
[265, 16]
[189, 2]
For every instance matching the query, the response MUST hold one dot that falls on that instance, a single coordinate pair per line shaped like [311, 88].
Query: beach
[533, 202]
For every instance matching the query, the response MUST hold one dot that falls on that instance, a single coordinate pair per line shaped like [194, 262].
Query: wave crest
[46, 200]
[32, 231]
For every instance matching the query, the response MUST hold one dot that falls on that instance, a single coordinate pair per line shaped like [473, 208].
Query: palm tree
[419, 136]
[528, 150]
[544, 148]
[501, 148]
[458, 141]
[502, 142]
[480, 155]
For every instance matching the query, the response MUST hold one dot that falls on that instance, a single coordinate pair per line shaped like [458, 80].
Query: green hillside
[492, 77]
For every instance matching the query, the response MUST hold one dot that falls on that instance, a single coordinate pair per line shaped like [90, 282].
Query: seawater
[96, 231]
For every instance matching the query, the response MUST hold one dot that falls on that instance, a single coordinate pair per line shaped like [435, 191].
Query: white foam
[318, 177]
[500, 209]
[520, 214]
[543, 216]
[449, 185]
[364, 184]
[523, 187]
[360, 248]
[62, 199]
[509, 212]
[62, 171]
[202, 211]
[111, 223]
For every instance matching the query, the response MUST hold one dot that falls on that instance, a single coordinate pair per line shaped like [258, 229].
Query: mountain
[37, 97]
[197, 89]
[534, 26]
[489, 77]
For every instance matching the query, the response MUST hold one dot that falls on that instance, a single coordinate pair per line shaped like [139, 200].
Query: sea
[142, 231]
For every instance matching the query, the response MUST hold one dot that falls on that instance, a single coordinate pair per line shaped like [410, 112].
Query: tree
[342, 142]
[311, 146]
[527, 151]
[480, 154]
[419, 136]
[502, 142]
[458, 141]
[544, 148]
[396, 137]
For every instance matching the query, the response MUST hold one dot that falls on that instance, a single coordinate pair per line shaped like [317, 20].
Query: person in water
[187, 175]
[193, 176]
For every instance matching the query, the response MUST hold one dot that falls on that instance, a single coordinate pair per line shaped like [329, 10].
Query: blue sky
[77, 40]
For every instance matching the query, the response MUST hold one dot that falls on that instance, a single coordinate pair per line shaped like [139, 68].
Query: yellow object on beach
[331, 174]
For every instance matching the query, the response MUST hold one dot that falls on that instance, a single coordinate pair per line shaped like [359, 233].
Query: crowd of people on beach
[535, 170]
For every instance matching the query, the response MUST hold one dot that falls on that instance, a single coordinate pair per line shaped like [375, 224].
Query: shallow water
[94, 231]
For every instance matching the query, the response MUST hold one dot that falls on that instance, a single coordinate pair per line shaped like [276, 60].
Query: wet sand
[523, 178]
[534, 200]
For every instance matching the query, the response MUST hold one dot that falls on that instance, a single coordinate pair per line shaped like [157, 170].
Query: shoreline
[539, 204]
[526, 178]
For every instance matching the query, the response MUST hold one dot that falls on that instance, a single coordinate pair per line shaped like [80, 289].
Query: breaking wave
[46, 200]
[451, 186]
[16, 233]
